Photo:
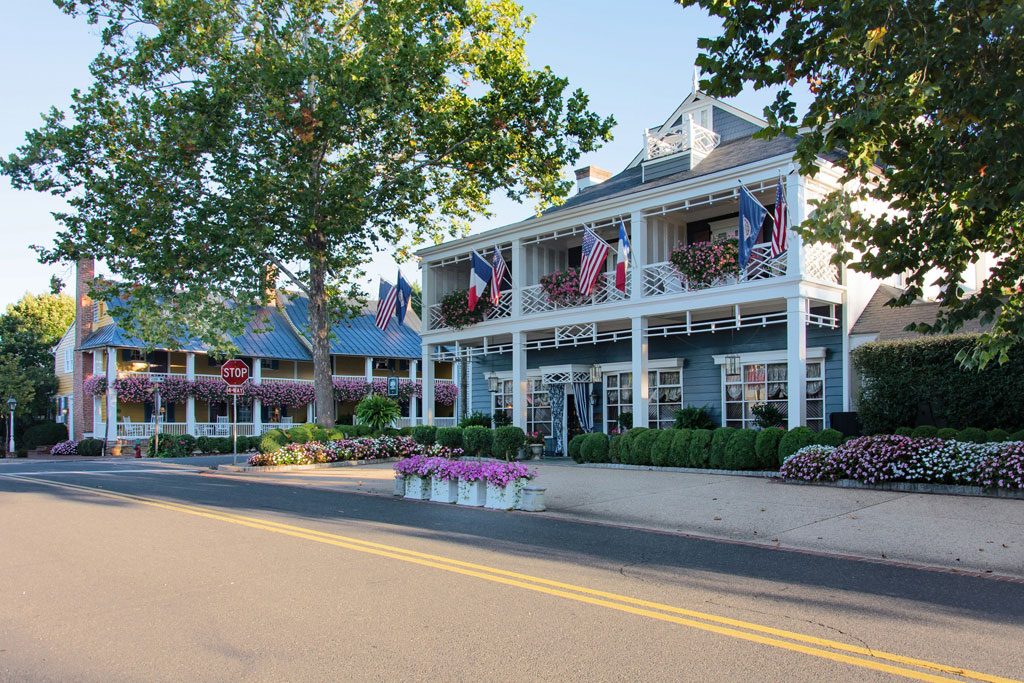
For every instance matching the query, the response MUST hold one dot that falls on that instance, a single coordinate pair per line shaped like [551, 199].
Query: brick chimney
[591, 175]
[85, 273]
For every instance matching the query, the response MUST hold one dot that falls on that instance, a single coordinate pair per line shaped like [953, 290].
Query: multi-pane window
[759, 383]
[665, 390]
[538, 404]
[69, 360]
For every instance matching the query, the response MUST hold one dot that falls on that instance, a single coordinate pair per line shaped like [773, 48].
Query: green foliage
[679, 452]
[904, 431]
[642, 446]
[507, 442]
[16, 380]
[947, 433]
[251, 134]
[615, 448]
[576, 447]
[661, 449]
[594, 448]
[477, 440]
[766, 447]
[1017, 436]
[741, 450]
[719, 441]
[476, 419]
[449, 437]
[830, 437]
[794, 440]
[625, 421]
[500, 418]
[378, 412]
[298, 434]
[318, 433]
[337, 434]
[29, 330]
[424, 435]
[626, 445]
[45, 433]
[924, 431]
[270, 441]
[998, 435]
[90, 448]
[694, 417]
[700, 447]
[187, 443]
[972, 435]
[946, 138]
[767, 415]
[902, 376]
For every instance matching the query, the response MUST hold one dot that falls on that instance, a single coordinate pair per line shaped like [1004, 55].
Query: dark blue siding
[731, 127]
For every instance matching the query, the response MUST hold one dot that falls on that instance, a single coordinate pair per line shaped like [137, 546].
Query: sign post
[235, 374]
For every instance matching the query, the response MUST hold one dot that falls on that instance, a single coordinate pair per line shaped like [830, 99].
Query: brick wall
[85, 272]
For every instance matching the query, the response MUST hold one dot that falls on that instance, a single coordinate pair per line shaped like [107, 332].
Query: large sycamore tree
[920, 102]
[224, 139]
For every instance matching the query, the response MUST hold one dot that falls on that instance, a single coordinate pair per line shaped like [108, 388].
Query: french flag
[622, 262]
[480, 274]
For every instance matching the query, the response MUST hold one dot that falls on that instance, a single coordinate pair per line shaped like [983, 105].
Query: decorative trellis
[535, 299]
[574, 333]
[818, 263]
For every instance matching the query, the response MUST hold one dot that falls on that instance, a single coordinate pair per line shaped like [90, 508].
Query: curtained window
[767, 383]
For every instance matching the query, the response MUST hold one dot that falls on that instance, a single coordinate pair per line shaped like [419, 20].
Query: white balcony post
[641, 397]
[413, 401]
[519, 387]
[428, 384]
[518, 277]
[190, 402]
[796, 202]
[368, 369]
[638, 243]
[97, 401]
[111, 394]
[257, 404]
[796, 359]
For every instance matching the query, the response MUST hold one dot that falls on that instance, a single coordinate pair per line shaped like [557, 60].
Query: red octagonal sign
[235, 372]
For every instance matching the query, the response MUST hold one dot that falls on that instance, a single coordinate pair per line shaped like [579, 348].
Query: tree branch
[291, 276]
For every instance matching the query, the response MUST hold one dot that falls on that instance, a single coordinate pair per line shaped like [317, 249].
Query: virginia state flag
[480, 272]
[751, 217]
[404, 297]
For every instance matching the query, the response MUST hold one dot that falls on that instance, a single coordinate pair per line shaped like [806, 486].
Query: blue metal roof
[359, 336]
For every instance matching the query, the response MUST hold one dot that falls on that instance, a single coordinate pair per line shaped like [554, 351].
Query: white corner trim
[815, 353]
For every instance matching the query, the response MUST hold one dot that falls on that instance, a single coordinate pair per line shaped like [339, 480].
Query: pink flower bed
[313, 452]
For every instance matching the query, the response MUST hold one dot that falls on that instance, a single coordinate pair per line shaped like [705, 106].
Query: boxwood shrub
[642, 445]
[700, 447]
[741, 450]
[972, 435]
[661, 449]
[270, 441]
[449, 437]
[594, 447]
[626, 445]
[576, 447]
[998, 435]
[794, 440]
[719, 440]
[1017, 436]
[947, 433]
[614, 446]
[766, 447]
[45, 433]
[507, 442]
[924, 431]
[90, 448]
[679, 452]
[477, 440]
[829, 437]
[424, 435]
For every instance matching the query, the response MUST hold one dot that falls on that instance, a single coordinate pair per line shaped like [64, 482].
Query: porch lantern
[493, 383]
[732, 364]
[595, 374]
[12, 404]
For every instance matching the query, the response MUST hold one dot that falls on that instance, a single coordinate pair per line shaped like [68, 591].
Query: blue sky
[635, 59]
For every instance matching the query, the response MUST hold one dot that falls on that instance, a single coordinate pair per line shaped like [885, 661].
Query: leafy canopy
[29, 330]
[930, 95]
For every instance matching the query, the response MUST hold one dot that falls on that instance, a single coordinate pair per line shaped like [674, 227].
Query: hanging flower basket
[562, 288]
[282, 394]
[453, 310]
[133, 388]
[95, 385]
[706, 264]
[445, 394]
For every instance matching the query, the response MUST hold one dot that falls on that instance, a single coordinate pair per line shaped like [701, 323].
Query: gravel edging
[682, 470]
[298, 468]
[914, 487]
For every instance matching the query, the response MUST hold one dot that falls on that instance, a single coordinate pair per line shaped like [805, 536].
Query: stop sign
[235, 372]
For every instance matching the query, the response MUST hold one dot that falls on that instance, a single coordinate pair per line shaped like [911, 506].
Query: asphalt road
[135, 571]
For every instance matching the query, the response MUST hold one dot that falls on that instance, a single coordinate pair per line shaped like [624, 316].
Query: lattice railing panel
[572, 333]
[818, 263]
[535, 300]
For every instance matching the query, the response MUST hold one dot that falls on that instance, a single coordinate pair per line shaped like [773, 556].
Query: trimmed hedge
[679, 453]
[615, 448]
[903, 379]
[973, 435]
[661, 449]
[46, 433]
[766, 447]
[449, 437]
[424, 435]
[719, 442]
[269, 442]
[794, 440]
[477, 440]
[576, 447]
[90, 448]
[642, 446]
[594, 447]
[507, 442]
[700, 447]
[626, 445]
[740, 451]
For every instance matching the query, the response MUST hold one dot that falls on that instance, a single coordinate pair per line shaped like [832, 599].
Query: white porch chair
[223, 426]
[286, 421]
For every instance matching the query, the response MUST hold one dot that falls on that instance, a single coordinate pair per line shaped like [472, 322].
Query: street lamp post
[12, 404]
[155, 393]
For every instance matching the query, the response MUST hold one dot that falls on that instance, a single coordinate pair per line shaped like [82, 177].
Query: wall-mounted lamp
[732, 365]
[493, 383]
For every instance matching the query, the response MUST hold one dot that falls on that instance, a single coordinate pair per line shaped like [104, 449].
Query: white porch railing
[818, 263]
[502, 310]
[144, 430]
[663, 278]
[681, 138]
[535, 299]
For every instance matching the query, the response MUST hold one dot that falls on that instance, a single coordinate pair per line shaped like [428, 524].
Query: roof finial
[696, 78]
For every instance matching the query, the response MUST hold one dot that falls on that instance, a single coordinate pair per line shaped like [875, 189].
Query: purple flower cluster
[95, 385]
[209, 390]
[133, 388]
[562, 287]
[704, 264]
[445, 394]
[496, 473]
[282, 394]
[314, 452]
[879, 459]
[65, 448]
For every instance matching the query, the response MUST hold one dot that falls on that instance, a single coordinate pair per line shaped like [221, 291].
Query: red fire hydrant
[138, 450]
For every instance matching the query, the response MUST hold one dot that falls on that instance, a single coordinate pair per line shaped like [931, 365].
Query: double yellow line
[908, 667]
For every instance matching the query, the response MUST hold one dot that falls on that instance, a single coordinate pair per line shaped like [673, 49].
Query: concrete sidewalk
[966, 533]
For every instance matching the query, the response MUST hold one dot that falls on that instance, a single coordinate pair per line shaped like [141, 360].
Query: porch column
[796, 360]
[413, 401]
[111, 430]
[796, 201]
[641, 391]
[97, 402]
[457, 381]
[257, 404]
[518, 277]
[428, 384]
[369, 369]
[519, 387]
[190, 402]
[638, 244]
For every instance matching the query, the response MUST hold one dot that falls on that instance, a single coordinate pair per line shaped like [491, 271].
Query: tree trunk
[320, 333]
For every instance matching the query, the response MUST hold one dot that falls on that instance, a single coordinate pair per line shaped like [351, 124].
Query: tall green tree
[221, 138]
[921, 104]
[29, 330]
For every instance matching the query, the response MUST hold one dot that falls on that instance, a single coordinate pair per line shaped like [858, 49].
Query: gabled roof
[359, 336]
[888, 323]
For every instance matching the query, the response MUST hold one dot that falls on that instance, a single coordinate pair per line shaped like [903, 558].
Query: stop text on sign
[235, 372]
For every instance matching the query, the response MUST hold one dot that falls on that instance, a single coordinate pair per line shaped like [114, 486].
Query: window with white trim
[665, 390]
[538, 404]
[69, 360]
[768, 383]
[618, 397]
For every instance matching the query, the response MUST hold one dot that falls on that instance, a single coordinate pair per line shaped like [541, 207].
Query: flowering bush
[175, 389]
[704, 264]
[65, 448]
[878, 459]
[95, 385]
[453, 310]
[562, 287]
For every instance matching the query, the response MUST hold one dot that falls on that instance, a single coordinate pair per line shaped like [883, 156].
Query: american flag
[498, 276]
[386, 304]
[781, 216]
[595, 250]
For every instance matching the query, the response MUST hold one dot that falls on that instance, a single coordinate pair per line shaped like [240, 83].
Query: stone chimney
[591, 175]
[85, 273]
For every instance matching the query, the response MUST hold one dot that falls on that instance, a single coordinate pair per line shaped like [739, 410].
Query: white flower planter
[417, 487]
[503, 497]
[472, 493]
[444, 491]
[399, 485]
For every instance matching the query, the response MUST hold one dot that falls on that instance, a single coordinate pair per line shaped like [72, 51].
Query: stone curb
[914, 487]
[681, 470]
[297, 468]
